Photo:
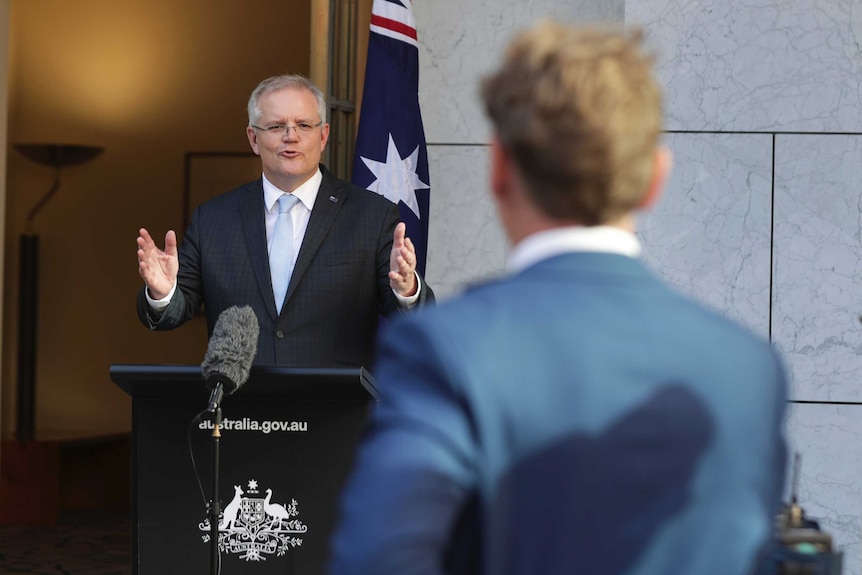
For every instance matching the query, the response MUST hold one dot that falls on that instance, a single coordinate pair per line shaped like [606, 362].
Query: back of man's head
[579, 112]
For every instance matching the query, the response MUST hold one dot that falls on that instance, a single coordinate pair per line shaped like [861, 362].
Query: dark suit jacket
[577, 417]
[338, 290]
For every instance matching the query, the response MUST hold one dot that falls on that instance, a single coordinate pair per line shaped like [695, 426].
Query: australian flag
[391, 158]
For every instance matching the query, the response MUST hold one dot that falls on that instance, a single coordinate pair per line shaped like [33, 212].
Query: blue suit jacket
[579, 417]
[338, 290]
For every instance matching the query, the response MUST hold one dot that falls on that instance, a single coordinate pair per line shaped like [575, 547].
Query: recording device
[230, 353]
[802, 548]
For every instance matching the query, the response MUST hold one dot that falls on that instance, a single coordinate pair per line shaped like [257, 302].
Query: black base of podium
[287, 445]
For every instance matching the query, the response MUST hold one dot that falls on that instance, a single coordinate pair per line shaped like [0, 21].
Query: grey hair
[275, 83]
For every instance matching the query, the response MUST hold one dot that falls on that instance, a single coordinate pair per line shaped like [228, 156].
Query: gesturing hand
[157, 267]
[402, 263]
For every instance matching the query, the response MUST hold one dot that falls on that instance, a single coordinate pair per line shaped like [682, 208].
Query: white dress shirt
[300, 215]
[543, 245]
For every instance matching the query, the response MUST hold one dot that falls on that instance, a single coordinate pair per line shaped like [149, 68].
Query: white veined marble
[466, 241]
[818, 264]
[829, 441]
[462, 40]
[773, 65]
[709, 235]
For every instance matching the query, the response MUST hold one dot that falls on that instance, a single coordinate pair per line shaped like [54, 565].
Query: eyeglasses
[281, 129]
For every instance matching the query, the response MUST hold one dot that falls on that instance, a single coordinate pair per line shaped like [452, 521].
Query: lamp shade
[58, 155]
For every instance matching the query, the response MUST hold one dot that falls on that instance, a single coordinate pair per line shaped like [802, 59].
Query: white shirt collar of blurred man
[546, 244]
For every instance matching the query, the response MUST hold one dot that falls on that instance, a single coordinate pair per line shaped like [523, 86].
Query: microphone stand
[214, 504]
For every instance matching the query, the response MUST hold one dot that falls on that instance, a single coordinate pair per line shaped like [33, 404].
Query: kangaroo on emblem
[230, 512]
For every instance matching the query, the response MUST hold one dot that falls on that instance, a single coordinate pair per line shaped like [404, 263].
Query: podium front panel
[282, 468]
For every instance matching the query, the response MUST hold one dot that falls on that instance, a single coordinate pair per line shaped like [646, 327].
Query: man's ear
[501, 169]
[662, 163]
[252, 139]
[324, 136]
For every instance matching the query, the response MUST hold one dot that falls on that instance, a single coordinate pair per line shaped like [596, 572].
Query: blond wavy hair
[580, 111]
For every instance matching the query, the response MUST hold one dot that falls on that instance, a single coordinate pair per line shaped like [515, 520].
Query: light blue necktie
[281, 250]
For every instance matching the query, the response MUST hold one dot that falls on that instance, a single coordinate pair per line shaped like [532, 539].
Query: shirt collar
[306, 193]
[549, 243]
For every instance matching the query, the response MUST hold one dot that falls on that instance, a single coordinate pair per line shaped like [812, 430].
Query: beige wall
[148, 80]
[4, 123]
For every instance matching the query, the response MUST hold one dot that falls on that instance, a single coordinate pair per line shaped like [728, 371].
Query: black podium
[287, 444]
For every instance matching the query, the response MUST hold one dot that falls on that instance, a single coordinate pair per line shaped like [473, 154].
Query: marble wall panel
[828, 439]
[792, 65]
[727, 66]
[709, 235]
[466, 242]
[461, 40]
[818, 264]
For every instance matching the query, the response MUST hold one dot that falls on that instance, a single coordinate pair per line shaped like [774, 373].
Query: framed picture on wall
[208, 174]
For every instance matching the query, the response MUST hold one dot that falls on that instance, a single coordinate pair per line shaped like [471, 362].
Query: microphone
[230, 353]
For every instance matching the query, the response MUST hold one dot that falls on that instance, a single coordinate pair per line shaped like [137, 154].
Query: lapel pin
[333, 199]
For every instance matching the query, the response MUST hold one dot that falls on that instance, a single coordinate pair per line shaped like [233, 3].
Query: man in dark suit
[318, 259]
[577, 415]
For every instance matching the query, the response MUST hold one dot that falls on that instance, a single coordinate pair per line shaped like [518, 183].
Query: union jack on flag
[391, 158]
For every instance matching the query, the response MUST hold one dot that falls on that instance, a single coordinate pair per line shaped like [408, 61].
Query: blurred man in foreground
[576, 416]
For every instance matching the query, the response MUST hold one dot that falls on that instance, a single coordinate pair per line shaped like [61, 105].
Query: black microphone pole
[215, 559]
[226, 365]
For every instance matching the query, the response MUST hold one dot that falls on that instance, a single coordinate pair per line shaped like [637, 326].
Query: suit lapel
[330, 197]
[253, 226]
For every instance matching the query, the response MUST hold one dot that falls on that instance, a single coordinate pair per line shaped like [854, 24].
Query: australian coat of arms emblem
[254, 527]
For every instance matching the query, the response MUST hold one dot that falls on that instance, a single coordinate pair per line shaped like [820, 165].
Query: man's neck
[526, 227]
[288, 184]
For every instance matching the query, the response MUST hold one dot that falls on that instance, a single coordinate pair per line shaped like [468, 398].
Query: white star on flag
[397, 178]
